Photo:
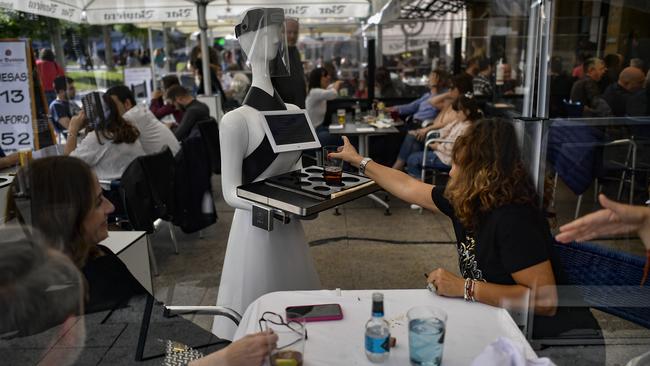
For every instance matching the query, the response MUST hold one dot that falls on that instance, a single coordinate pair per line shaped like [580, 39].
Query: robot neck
[261, 77]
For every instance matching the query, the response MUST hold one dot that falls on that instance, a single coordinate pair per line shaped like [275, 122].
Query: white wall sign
[134, 77]
[16, 114]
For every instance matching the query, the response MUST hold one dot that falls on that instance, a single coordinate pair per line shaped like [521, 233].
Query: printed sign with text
[16, 131]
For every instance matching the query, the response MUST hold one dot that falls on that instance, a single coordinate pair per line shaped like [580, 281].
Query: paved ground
[386, 252]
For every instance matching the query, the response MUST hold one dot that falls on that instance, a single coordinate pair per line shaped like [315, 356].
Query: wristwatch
[362, 165]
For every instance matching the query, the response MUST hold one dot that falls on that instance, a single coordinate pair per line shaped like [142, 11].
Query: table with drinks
[428, 329]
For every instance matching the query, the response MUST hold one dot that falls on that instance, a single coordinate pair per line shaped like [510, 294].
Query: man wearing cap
[292, 88]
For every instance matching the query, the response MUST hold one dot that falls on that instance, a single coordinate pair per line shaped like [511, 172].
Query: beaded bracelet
[468, 294]
[471, 291]
[468, 284]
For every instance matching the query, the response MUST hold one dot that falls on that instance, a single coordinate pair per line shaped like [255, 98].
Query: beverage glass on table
[290, 346]
[24, 157]
[426, 335]
[340, 114]
[332, 167]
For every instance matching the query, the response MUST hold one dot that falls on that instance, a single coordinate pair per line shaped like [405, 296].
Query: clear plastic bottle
[357, 112]
[377, 332]
[500, 72]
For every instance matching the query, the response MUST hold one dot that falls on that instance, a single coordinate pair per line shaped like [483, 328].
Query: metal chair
[428, 140]
[431, 138]
[169, 311]
[627, 168]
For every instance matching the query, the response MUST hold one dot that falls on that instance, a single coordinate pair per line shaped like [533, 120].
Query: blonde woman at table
[503, 239]
[464, 111]
[460, 85]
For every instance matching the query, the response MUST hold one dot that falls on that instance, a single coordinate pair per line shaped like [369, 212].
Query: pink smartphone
[315, 313]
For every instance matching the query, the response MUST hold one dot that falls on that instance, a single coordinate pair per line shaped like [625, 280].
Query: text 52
[10, 138]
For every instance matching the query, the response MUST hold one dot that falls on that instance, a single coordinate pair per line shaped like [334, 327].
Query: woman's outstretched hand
[614, 218]
[347, 153]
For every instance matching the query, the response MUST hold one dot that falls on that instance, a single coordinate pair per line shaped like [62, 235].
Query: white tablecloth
[470, 326]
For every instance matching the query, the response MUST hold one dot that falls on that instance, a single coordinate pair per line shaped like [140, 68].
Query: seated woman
[414, 139]
[42, 288]
[463, 112]
[111, 148]
[320, 91]
[420, 110]
[503, 239]
[68, 209]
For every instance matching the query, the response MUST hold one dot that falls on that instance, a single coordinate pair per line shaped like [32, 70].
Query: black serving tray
[304, 192]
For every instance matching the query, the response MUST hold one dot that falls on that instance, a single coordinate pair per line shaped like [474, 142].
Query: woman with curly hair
[503, 238]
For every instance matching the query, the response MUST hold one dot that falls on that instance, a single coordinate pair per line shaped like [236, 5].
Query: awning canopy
[388, 11]
[159, 11]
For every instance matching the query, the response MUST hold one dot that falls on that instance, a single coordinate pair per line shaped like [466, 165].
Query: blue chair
[605, 276]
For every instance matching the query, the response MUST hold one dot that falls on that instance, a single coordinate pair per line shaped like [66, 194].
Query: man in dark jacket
[617, 95]
[292, 88]
[193, 111]
[587, 92]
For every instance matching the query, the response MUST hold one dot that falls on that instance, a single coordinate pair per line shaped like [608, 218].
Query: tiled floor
[363, 249]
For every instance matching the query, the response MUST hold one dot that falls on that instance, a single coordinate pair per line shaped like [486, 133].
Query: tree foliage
[14, 24]
[132, 31]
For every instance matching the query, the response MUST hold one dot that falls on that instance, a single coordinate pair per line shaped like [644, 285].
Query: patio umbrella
[161, 11]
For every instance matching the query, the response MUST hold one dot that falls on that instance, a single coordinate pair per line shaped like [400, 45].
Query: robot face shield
[261, 34]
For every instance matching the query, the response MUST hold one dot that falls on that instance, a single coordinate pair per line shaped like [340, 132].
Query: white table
[470, 326]
[131, 248]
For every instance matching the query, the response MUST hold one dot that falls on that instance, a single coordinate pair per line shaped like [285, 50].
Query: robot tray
[305, 192]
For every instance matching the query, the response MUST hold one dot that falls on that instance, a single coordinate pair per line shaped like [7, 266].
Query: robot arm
[233, 136]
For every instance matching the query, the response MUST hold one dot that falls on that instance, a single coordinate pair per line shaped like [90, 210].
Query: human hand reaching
[614, 218]
[347, 153]
[251, 350]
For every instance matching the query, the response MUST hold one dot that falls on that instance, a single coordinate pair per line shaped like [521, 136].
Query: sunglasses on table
[277, 319]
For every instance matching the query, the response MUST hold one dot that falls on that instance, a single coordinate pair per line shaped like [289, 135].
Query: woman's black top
[110, 284]
[509, 239]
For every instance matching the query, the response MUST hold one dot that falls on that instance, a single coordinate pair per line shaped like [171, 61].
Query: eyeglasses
[277, 319]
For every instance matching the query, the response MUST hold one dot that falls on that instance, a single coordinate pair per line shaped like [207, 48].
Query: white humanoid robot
[258, 261]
